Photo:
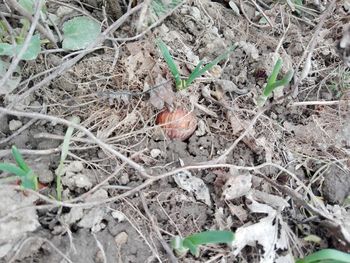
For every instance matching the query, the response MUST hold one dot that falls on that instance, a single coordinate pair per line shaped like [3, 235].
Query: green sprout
[197, 72]
[191, 243]
[273, 83]
[65, 149]
[28, 179]
[326, 256]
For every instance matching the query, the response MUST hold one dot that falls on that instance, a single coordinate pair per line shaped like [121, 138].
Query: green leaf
[6, 50]
[30, 181]
[272, 78]
[198, 71]
[10, 168]
[31, 53]
[33, 49]
[326, 256]
[170, 61]
[273, 83]
[79, 33]
[28, 5]
[19, 159]
[211, 237]
[181, 246]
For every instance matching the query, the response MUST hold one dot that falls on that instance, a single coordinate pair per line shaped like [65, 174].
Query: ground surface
[279, 177]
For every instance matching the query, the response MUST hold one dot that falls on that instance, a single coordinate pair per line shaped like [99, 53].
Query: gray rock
[336, 185]
[17, 224]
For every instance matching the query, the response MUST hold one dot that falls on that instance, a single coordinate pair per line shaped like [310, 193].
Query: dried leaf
[237, 186]
[270, 232]
[238, 211]
[192, 184]
[140, 60]
[162, 96]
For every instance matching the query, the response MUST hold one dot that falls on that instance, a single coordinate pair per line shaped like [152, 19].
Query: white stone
[15, 125]
[155, 153]
[118, 215]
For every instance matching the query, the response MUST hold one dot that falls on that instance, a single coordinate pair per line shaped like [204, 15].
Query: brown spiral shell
[177, 125]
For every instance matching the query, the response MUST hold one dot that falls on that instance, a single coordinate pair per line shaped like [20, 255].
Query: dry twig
[102, 144]
[166, 247]
[307, 55]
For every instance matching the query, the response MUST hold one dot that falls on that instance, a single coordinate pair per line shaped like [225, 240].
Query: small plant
[28, 179]
[197, 72]
[326, 256]
[273, 83]
[191, 243]
[78, 33]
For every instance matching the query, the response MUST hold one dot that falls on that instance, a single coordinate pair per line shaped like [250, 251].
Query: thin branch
[222, 157]
[153, 179]
[13, 259]
[102, 144]
[20, 130]
[246, 16]
[155, 24]
[307, 55]
[320, 102]
[164, 244]
[262, 12]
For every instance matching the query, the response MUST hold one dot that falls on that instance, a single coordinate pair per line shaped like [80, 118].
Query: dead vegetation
[277, 175]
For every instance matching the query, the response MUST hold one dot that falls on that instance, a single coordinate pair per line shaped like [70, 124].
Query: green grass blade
[211, 237]
[326, 255]
[182, 245]
[283, 82]
[10, 168]
[64, 153]
[198, 71]
[272, 78]
[194, 74]
[19, 159]
[192, 247]
[67, 137]
[169, 60]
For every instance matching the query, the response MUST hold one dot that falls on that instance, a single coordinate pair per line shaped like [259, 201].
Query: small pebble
[118, 215]
[15, 125]
[124, 179]
[99, 257]
[155, 153]
[75, 166]
[121, 238]
[196, 13]
[81, 181]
